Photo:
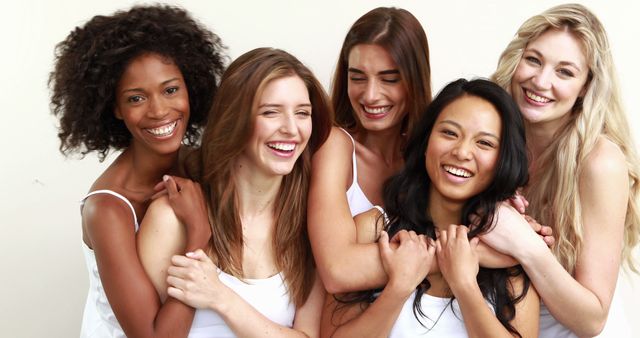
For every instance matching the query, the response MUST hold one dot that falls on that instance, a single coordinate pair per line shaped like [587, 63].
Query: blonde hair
[228, 130]
[599, 112]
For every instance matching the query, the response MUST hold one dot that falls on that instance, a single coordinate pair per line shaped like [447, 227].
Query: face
[549, 78]
[375, 87]
[282, 127]
[463, 149]
[153, 101]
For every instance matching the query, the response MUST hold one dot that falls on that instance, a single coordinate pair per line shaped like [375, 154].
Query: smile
[376, 110]
[282, 146]
[459, 172]
[536, 98]
[165, 130]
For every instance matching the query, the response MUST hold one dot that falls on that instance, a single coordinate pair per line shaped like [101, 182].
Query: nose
[288, 124]
[462, 151]
[158, 107]
[372, 91]
[542, 78]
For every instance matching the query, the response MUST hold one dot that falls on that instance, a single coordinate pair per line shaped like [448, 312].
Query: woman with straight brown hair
[381, 85]
[269, 116]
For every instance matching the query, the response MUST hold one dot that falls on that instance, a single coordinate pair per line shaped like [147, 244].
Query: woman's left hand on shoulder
[457, 256]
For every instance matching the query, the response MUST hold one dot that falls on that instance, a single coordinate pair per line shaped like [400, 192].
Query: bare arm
[194, 280]
[581, 302]
[332, 231]
[132, 296]
[407, 265]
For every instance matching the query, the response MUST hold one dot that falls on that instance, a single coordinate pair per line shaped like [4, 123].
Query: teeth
[282, 146]
[164, 130]
[535, 97]
[457, 171]
[376, 110]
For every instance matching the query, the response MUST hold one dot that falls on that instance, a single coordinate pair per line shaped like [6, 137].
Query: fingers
[175, 293]
[383, 243]
[474, 242]
[171, 185]
[159, 194]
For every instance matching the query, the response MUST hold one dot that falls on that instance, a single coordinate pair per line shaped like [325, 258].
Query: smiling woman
[140, 81]
[267, 119]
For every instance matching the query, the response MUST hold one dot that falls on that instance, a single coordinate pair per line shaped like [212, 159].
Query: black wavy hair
[406, 195]
[91, 60]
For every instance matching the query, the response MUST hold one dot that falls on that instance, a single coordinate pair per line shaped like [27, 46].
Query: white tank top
[443, 319]
[98, 319]
[269, 296]
[358, 202]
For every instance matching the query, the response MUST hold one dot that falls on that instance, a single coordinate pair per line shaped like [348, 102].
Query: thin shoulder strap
[124, 199]
[384, 214]
[353, 156]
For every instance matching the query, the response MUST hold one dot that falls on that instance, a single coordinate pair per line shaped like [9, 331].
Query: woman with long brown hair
[269, 116]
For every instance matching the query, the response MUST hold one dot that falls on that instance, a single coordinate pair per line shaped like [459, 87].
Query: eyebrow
[382, 72]
[141, 90]
[456, 124]
[274, 105]
[564, 63]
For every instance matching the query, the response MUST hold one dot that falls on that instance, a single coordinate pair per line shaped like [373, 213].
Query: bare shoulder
[605, 161]
[331, 165]
[160, 214]
[337, 142]
[99, 208]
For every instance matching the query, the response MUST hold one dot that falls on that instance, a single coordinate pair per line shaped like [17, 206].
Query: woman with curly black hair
[466, 154]
[140, 81]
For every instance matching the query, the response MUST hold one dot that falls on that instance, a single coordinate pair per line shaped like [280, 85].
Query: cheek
[306, 128]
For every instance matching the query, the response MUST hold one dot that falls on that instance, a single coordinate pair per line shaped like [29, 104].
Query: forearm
[378, 319]
[479, 320]
[571, 303]
[350, 267]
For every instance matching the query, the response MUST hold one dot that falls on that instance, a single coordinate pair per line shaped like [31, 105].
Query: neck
[256, 193]
[147, 168]
[385, 143]
[444, 212]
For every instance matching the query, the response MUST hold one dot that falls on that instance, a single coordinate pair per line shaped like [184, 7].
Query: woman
[381, 85]
[140, 81]
[574, 123]
[254, 170]
[465, 155]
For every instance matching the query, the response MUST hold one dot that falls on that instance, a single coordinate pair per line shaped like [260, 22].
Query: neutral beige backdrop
[43, 280]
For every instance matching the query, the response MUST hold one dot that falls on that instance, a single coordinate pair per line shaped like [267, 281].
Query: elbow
[594, 328]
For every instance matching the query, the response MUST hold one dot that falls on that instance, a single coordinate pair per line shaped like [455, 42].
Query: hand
[188, 203]
[408, 264]
[511, 234]
[193, 280]
[457, 256]
[545, 232]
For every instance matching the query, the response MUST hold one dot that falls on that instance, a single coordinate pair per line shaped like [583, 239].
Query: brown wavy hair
[225, 137]
[91, 60]
[401, 35]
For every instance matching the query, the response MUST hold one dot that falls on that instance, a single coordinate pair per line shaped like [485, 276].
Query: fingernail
[189, 254]
[165, 178]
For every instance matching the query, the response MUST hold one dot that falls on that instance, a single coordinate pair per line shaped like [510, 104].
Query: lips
[377, 112]
[164, 130]
[535, 97]
[284, 149]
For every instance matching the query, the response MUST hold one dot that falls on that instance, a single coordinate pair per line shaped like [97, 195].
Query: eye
[391, 80]
[269, 113]
[357, 78]
[486, 143]
[566, 72]
[303, 113]
[135, 99]
[533, 60]
[171, 90]
[448, 132]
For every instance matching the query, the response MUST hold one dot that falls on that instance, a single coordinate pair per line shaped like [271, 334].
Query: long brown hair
[400, 34]
[228, 130]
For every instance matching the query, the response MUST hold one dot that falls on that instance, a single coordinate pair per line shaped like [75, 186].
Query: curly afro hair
[91, 60]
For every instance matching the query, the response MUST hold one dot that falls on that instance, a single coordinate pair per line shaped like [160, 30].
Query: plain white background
[43, 281]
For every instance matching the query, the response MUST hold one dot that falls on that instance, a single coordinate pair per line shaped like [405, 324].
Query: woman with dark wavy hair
[465, 155]
[139, 81]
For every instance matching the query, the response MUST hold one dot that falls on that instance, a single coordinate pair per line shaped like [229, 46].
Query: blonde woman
[584, 170]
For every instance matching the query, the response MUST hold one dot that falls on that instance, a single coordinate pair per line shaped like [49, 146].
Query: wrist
[399, 290]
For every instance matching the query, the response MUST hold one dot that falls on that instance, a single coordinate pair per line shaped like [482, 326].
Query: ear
[117, 113]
